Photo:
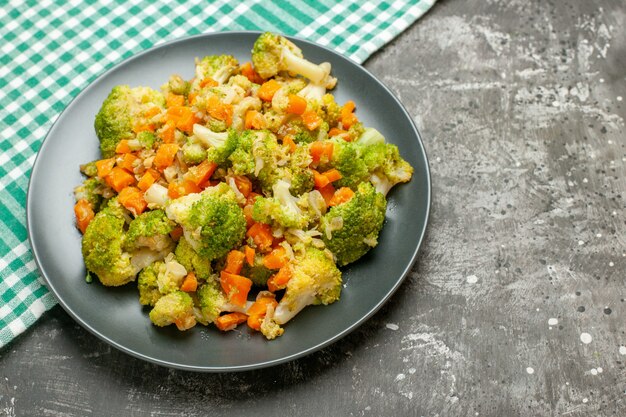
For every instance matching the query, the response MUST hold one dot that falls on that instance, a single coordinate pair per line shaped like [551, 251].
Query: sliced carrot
[268, 89]
[327, 192]
[249, 252]
[152, 111]
[321, 151]
[297, 104]
[190, 283]
[220, 110]
[168, 132]
[254, 120]
[249, 72]
[173, 100]
[348, 118]
[288, 141]
[147, 180]
[122, 147]
[258, 310]
[236, 287]
[165, 155]
[183, 117]
[244, 185]
[252, 198]
[142, 127]
[248, 209]
[191, 97]
[230, 321]
[128, 162]
[208, 82]
[276, 259]
[261, 235]
[332, 175]
[176, 233]
[342, 195]
[200, 174]
[104, 167]
[311, 120]
[234, 261]
[132, 199]
[181, 188]
[119, 178]
[84, 214]
[279, 280]
[320, 180]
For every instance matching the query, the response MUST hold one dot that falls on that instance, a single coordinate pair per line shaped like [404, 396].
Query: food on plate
[236, 196]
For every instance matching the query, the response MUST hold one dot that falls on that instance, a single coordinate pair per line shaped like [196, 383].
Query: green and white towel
[50, 50]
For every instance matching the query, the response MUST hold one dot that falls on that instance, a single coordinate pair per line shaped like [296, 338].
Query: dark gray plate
[114, 314]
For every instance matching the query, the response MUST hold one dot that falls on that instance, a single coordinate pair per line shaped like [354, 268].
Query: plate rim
[237, 368]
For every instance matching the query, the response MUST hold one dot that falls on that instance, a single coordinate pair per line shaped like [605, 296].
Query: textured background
[520, 106]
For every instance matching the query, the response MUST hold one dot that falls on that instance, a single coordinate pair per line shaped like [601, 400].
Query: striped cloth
[51, 50]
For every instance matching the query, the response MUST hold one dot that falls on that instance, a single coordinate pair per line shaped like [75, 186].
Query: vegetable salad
[234, 197]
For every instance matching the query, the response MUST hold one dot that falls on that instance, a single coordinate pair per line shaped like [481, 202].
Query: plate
[115, 315]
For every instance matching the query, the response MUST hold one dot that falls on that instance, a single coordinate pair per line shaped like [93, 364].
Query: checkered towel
[50, 50]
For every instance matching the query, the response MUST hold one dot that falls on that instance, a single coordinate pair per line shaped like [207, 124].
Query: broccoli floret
[220, 144]
[191, 260]
[285, 210]
[89, 169]
[151, 230]
[242, 158]
[351, 229]
[193, 152]
[257, 273]
[315, 280]
[212, 221]
[91, 190]
[170, 275]
[347, 158]
[146, 139]
[383, 160]
[177, 85]
[147, 284]
[122, 110]
[273, 53]
[269, 328]
[217, 67]
[174, 308]
[211, 301]
[102, 247]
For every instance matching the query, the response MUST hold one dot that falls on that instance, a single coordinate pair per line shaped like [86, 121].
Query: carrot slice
[182, 188]
[119, 178]
[327, 192]
[249, 72]
[128, 162]
[254, 120]
[258, 310]
[173, 100]
[183, 117]
[311, 120]
[249, 252]
[276, 259]
[152, 111]
[268, 89]
[297, 104]
[321, 151]
[123, 147]
[230, 321]
[219, 110]
[165, 155]
[208, 82]
[320, 180]
[132, 199]
[200, 174]
[236, 287]
[288, 141]
[190, 283]
[176, 233]
[348, 118]
[84, 214]
[146, 181]
[234, 261]
[104, 167]
[261, 235]
[168, 132]
[342, 195]
[332, 175]
[279, 280]
[244, 185]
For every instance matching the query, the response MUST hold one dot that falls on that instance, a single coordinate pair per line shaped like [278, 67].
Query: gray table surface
[516, 304]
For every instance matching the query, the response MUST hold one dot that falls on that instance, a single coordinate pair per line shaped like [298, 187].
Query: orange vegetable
[119, 179]
[190, 283]
[268, 89]
[200, 174]
[152, 111]
[321, 151]
[173, 100]
[168, 132]
[279, 280]
[342, 195]
[219, 110]
[332, 175]
[261, 235]
[320, 180]
[208, 82]
[348, 118]
[249, 72]
[122, 147]
[252, 198]
[234, 261]
[176, 233]
[143, 128]
[165, 155]
[132, 199]
[104, 167]
[191, 97]
[147, 180]
[128, 162]
[244, 185]
[182, 188]
[84, 214]
[249, 252]
[276, 259]
[288, 141]
[236, 287]
[183, 118]
[327, 192]
[230, 321]
[311, 120]
[247, 214]
[258, 310]
[254, 120]
[297, 104]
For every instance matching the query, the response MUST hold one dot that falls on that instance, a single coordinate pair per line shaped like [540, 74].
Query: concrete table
[516, 304]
